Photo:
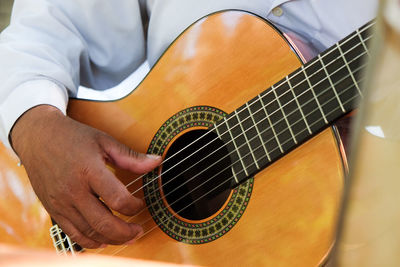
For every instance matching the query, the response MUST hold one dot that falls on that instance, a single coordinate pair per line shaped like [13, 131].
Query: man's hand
[66, 164]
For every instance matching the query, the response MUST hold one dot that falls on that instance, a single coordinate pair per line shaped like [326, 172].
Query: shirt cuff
[27, 96]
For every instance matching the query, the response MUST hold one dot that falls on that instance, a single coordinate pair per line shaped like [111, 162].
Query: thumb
[124, 157]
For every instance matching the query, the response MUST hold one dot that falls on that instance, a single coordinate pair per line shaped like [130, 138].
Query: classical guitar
[220, 109]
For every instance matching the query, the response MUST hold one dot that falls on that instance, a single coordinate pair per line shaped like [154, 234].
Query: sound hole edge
[209, 228]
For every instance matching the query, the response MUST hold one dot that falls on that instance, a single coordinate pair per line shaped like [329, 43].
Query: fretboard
[297, 107]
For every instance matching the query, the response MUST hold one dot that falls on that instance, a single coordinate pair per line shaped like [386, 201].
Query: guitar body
[23, 220]
[286, 215]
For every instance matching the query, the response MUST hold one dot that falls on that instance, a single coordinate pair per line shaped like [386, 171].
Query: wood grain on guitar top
[223, 61]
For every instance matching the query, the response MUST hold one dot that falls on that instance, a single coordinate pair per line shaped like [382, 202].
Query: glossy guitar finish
[222, 61]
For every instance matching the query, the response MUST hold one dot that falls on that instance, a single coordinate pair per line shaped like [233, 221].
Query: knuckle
[132, 153]
[119, 203]
[87, 237]
[83, 171]
[90, 233]
[104, 227]
[83, 242]
[125, 150]
[81, 174]
[101, 139]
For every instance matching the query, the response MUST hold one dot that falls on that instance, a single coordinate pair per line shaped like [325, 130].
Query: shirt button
[277, 11]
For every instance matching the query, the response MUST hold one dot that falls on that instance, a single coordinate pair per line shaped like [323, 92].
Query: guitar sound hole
[196, 178]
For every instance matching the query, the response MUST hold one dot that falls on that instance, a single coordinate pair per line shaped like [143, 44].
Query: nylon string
[158, 176]
[277, 86]
[305, 91]
[157, 225]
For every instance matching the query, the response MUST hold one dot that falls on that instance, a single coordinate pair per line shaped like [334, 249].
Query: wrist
[30, 124]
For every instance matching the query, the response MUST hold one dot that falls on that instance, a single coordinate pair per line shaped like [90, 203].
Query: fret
[265, 130]
[222, 130]
[235, 176]
[236, 147]
[298, 105]
[340, 75]
[311, 100]
[314, 95]
[217, 131]
[332, 85]
[291, 109]
[277, 116]
[325, 94]
[362, 42]
[352, 52]
[348, 68]
[259, 145]
[283, 114]
[247, 140]
[366, 35]
[269, 121]
[239, 137]
[350, 92]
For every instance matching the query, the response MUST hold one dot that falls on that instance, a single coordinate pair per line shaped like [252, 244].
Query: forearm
[51, 47]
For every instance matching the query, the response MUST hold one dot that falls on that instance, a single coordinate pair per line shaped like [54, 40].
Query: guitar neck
[297, 107]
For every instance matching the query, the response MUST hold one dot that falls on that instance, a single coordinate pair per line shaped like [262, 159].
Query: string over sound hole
[196, 177]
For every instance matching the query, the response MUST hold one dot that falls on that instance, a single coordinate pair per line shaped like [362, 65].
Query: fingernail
[153, 156]
[103, 246]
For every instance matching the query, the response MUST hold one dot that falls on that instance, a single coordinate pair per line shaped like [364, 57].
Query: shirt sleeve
[53, 46]
[317, 23]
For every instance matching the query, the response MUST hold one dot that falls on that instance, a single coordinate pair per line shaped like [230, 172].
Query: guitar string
[194, 201]
[276, 87]
[301, 119]
[351, 99]
[122, 247]
[142, 223]
[226, 156]
[242, 134]
[270, 127]
[233, 141]
[270, 114]
[150, 218]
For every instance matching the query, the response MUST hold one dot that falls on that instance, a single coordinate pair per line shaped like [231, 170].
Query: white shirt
[53, 46]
